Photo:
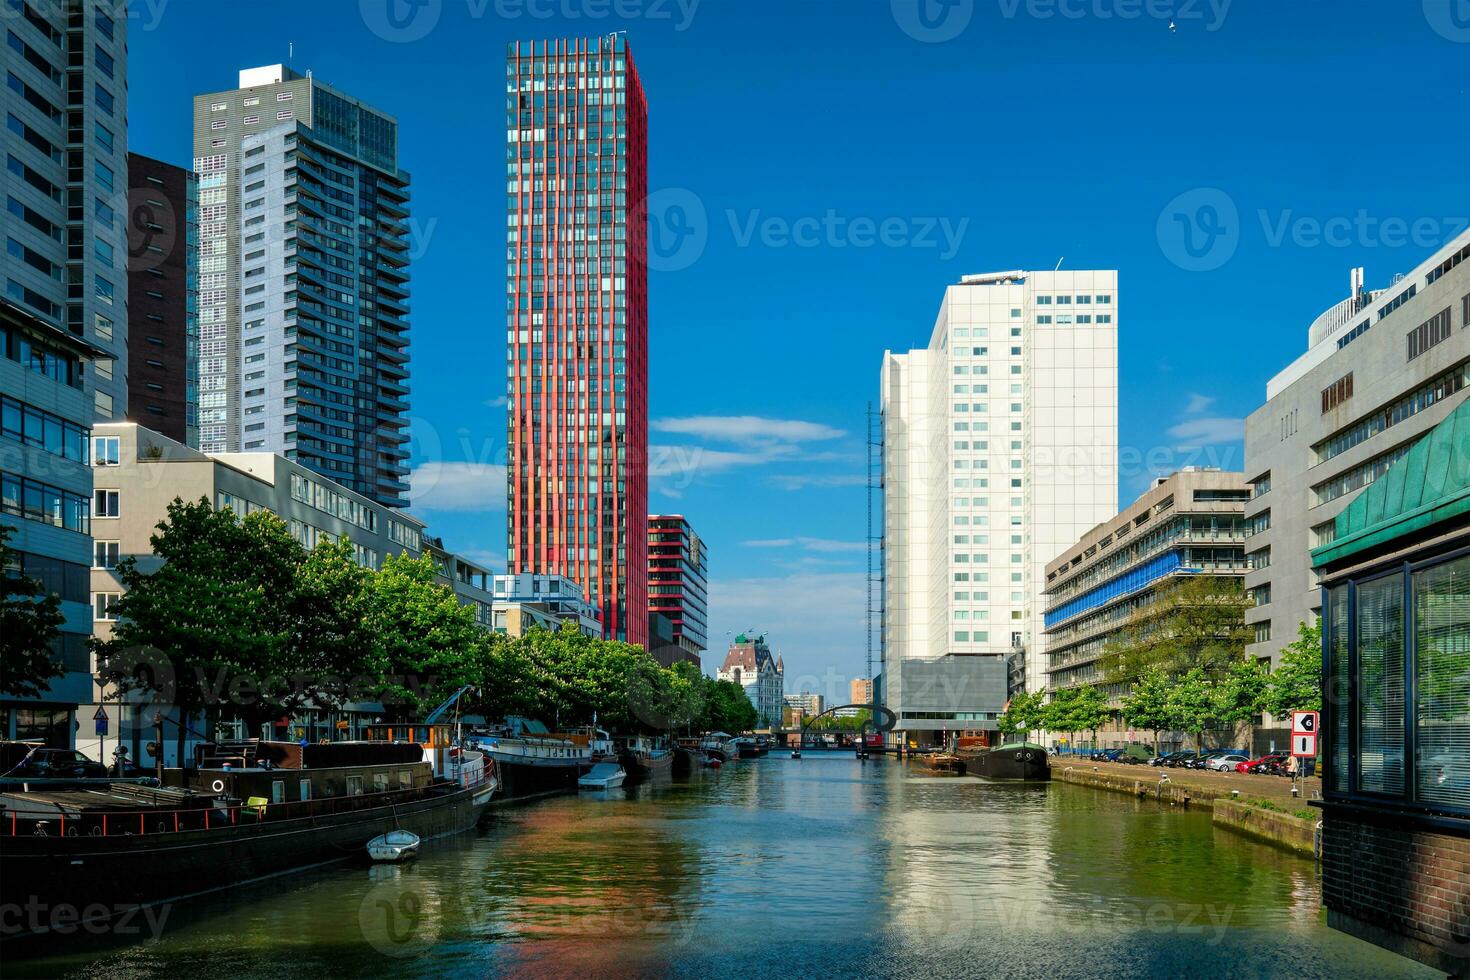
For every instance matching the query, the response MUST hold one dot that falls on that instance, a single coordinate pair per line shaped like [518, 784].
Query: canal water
[775, 868]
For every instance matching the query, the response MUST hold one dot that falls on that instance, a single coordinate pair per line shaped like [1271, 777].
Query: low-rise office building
[1190, 523]
[137, 473]
[1382, 367]
[527, 599]
[811, 704]
[1396, 631]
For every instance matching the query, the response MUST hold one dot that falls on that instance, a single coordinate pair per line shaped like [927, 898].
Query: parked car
[1266, 763]
[1226, 762]
[1107, 755]
[1165, 759]
[1136, 754]
[1181, 760]
[1204, 761]
[57, 764]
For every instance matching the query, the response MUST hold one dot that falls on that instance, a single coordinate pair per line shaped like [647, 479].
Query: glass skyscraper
[63, 318]
[303, 280]
[577, 322]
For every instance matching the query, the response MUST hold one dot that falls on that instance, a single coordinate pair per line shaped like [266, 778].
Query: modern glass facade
[303, 271]
[63, 312]
[577, 322]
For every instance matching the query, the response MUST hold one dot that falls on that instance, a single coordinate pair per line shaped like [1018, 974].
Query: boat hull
[104, 876]
[639, 766]
[1008, 763]
[520, 778]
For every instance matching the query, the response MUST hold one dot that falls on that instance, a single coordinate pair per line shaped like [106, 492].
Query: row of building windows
[36, 427]
[1431, 393]
[1359, 476]
[36, 501]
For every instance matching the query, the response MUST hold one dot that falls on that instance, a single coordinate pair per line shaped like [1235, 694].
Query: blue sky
[821, 170]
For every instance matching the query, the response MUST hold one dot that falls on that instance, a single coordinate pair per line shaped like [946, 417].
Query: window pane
[1381, 686]
[1442, 683]
[1337, 639]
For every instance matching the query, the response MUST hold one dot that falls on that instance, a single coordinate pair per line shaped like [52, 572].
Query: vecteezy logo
[933, 21]
[1450, 19]
[1199, 230]
[394, 917]
[678, 229]
[152, 230]
[400, 21]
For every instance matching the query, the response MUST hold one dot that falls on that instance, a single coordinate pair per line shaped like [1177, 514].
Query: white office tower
[1000, 450]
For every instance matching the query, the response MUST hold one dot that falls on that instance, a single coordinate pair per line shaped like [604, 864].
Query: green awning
[1430, 485]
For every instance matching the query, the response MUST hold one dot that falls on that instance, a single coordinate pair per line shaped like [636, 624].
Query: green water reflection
[774, 868]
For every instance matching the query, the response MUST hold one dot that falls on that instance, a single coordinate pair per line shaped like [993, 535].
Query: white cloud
[1208, 431]
[500, 402]
[746, 428]
[457, 486]
[493, 560]
[797, 481]
[815, 620]
[685, 461]
[807, 544]
[1198, 404]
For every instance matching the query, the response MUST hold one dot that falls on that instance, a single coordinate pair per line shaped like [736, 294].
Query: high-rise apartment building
[678, 581]
[577, 322]
[163, 302]
[63, 314]
[66, 197]
[1000, 448]
[1382, 367]
[303, 280]
[861, 691]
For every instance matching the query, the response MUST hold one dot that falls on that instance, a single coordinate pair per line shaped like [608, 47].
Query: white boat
[604, 775]
[395, 845]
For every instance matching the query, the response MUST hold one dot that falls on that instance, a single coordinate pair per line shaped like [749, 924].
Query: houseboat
[642, 756]
[250, 810]
[1019, 760]
[530, 759]
[716, 747]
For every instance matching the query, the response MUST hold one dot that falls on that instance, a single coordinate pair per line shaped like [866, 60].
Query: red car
[1254, 764]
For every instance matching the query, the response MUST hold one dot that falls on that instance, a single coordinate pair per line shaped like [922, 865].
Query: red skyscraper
[577, 322]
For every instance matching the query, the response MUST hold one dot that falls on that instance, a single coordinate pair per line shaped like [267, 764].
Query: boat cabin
[288, 771]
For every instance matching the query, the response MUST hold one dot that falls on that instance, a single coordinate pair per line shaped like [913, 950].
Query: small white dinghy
[395, 845]
[604, 775]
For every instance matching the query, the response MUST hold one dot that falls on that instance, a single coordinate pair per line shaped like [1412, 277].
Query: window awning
[1428, 486]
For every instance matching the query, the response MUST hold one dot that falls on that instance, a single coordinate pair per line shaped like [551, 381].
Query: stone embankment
[1256, 806]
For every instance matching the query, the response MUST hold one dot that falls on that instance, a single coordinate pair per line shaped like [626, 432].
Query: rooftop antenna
[290, 52]
[1059, 264]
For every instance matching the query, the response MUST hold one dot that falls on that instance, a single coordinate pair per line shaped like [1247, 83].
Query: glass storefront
[1399, 689]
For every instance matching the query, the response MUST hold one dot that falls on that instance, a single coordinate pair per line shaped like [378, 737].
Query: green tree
[1192, 705]
[30, 619]
[1147, 704]
[1198, 621]
[1296, 684]
[431, 645]
[1024, 714]
[1241, 692]
[1090, 710]
[333, 650]
[213, 621]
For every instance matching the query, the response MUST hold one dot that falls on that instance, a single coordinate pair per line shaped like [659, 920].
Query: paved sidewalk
[1218, 784]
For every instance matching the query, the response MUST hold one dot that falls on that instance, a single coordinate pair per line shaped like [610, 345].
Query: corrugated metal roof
[1428, 486]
